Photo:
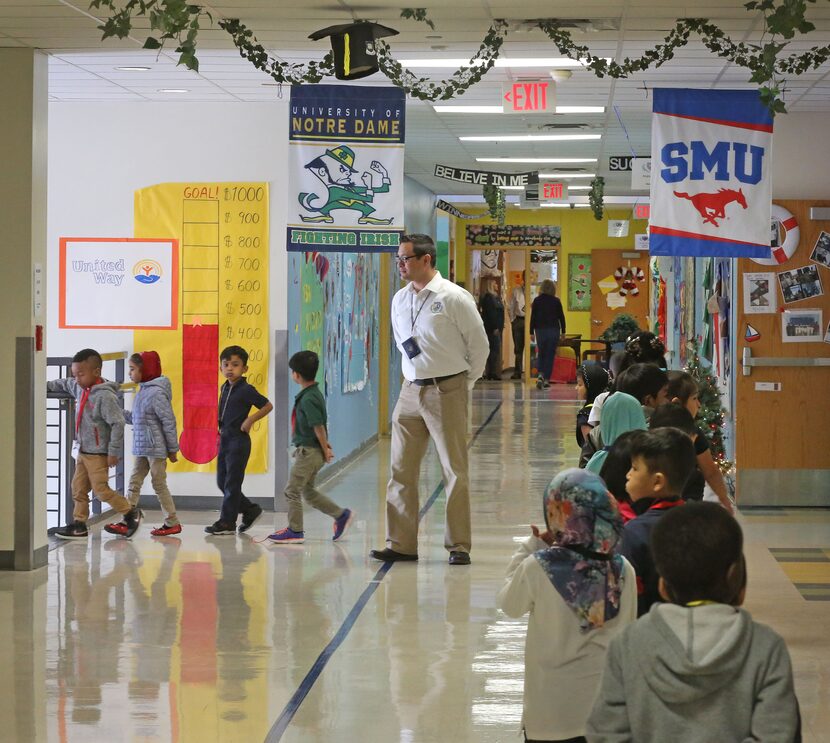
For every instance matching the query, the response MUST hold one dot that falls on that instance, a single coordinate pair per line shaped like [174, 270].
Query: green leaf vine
[496, 203]
[179, 21]
[595, 196]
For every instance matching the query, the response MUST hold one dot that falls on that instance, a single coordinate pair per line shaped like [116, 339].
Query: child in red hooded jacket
[154, 438]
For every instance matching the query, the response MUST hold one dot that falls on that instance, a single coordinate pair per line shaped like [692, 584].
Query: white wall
[100, 153]
[797, 144]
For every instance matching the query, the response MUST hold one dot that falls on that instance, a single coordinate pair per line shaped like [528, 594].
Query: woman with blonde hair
[547, 321]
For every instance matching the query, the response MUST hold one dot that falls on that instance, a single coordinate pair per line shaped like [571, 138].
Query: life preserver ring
[792, 234]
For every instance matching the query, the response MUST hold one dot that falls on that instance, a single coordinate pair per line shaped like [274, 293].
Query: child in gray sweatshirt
[99, 436]
[698, 668]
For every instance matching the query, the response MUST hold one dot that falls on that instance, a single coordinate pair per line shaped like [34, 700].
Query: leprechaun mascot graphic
[335, 171]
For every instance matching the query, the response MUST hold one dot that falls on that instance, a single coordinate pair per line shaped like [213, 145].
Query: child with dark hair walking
[580, 593]
[99, 436]
[697, 668]
[683, 389]
[313, 450]
[236, 399]
[591, 380]
[154, 439]
[661, 462]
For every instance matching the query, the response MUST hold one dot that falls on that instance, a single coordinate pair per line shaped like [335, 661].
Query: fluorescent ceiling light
[173, 90]
[567, 175]
[133, 68]
[560, 160]
[532, 138]
[549, 62]
[500, 110]
[546, 205]
[579, 188]
[512, 188]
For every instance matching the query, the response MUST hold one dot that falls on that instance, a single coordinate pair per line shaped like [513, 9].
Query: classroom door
[619, 283]
[782, 408]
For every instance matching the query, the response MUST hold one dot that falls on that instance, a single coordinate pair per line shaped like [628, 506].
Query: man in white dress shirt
[444, 348]
[516, 310]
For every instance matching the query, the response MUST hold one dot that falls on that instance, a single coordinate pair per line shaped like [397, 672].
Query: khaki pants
[92, 473]
[158, 477]
[308, 461]
[438, 412]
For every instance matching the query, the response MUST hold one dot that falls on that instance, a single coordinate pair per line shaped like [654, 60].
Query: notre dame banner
[346, 158]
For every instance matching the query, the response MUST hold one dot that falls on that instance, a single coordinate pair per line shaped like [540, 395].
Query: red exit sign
[552, 191]
[529, 97]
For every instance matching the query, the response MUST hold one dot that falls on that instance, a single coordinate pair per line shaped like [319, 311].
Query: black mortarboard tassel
[348, 44]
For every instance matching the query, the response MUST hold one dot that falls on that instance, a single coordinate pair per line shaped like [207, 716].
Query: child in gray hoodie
[99, 436]
[154, 439]
[698, 668]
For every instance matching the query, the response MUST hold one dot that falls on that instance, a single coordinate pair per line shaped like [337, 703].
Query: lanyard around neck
[414, 319]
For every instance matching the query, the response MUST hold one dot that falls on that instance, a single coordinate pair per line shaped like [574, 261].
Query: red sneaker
[165, 531]
[120, 529]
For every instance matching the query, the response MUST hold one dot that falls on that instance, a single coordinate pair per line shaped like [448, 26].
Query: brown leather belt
[433, 380]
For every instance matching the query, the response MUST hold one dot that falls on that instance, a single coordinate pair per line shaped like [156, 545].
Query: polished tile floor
[229, 639]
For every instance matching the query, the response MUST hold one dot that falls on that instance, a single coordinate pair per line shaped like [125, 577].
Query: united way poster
[711, 185]
[346, 161]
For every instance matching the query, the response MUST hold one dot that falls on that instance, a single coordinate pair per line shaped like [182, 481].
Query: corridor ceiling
[82, 68]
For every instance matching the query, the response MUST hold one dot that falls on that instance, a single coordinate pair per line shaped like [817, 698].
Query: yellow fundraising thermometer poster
[222, 229]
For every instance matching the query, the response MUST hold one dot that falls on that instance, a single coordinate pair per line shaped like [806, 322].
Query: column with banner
[711, 183]
[345, 178]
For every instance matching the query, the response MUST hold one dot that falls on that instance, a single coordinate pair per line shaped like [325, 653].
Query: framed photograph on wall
[760, 296]
[579, 282]
[801, 326]
[800, 283]
[821, 251]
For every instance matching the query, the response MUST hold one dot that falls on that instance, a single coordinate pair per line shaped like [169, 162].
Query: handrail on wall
[748, 361]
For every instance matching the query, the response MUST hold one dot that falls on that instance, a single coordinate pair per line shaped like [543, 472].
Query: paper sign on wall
[760, 296]
[641, 241]
[617, 228]
[118, 283]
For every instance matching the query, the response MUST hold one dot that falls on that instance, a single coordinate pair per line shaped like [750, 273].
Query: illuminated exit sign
[537, 97]
[553, 191]
[642, 211]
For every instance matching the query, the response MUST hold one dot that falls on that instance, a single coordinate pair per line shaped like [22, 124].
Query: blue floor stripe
[284, 720]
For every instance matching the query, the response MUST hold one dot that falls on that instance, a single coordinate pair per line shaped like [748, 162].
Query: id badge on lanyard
[410, 345]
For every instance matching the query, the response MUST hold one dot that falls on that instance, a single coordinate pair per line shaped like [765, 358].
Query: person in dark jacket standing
[492, 313]
[547, 321]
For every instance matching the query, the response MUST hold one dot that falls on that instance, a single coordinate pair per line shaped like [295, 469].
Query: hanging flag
[711, 189]
[345, 171]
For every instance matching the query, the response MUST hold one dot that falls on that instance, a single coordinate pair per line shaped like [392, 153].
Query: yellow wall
[581, 233]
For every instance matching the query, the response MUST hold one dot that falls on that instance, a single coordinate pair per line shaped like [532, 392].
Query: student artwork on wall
[118, 283]
[579, 282]
[760, 296]
[801, 326]
[800, 283]
[821, 251]
[223, 232]
[544, 236]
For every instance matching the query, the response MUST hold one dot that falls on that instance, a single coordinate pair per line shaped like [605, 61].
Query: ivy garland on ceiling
[595, 196]
[496, 203]
[180, 22]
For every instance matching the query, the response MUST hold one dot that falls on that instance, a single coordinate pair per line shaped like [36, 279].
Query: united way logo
[147, 271]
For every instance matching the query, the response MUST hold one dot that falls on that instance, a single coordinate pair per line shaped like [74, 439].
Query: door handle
[597, 322]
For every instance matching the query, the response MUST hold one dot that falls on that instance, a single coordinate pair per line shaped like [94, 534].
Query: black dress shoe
[459, 558]
[388, 555]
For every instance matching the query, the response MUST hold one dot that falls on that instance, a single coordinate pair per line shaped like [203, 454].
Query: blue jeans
[547, 339]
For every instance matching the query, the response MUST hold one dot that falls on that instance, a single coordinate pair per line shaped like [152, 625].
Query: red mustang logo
[712, 206]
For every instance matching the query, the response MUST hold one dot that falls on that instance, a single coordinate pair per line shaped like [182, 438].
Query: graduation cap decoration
[348, 44]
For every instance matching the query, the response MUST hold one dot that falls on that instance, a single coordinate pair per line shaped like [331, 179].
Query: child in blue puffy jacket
[154, 438]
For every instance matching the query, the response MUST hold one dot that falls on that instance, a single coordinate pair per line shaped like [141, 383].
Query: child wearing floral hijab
[580, 593]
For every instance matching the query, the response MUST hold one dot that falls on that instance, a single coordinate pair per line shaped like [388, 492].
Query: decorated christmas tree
[710, 416]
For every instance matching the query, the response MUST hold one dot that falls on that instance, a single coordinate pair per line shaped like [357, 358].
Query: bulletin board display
[118, 283]
[223, 232]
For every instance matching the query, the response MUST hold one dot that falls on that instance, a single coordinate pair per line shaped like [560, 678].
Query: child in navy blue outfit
[236, 399]
[661, 462]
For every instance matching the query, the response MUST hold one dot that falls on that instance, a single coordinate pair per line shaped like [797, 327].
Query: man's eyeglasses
[403, 259]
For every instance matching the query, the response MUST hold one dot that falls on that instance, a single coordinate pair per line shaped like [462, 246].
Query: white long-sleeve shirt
[563, 666]
[444, 320]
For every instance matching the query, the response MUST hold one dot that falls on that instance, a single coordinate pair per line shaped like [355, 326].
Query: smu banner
[711, 189]
[345, 182]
